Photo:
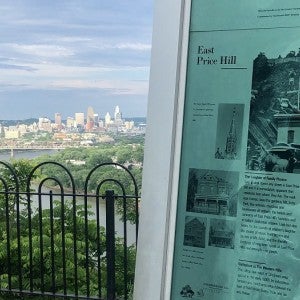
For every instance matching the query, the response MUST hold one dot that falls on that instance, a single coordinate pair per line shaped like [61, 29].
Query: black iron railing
[58, 242]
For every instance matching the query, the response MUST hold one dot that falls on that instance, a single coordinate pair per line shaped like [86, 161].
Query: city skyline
[84, 115]
[68, 130]
[62, 56]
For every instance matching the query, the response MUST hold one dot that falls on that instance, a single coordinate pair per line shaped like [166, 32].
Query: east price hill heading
[204, 59]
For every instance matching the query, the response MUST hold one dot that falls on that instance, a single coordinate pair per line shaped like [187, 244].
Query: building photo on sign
[274, 125]
[212, 192]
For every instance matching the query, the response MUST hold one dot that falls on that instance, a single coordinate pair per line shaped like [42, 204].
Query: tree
[98, 157]
[138, 154]
[11, 180]
[94, 157]
[48, 234]
[291, 54]
[124, 154]
[192, 190]
[261, 68]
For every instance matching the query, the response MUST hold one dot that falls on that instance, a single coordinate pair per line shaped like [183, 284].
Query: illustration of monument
[229, 131]
[230, 150]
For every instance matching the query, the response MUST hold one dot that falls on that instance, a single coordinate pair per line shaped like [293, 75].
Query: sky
[63, 56]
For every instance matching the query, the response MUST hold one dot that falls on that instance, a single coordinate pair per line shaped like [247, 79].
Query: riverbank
[6, 155]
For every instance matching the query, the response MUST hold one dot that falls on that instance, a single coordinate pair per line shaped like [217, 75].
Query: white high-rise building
[79, 118]
[107, 119]
[118, 116]
[101, 123]
[70, 122]
[58, 119]
[90, 114]
[45, 124]
[117, 111]
[96, 118]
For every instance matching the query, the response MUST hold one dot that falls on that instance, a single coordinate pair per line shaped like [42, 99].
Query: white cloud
[69, 39]
[125, 46]
[41, 50]
[45, 70]
[52, 47]
[115, 87]
[134, 46]
[122, 81]
[48, 70]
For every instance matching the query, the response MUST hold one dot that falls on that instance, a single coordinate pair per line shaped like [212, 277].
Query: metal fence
[61, 243]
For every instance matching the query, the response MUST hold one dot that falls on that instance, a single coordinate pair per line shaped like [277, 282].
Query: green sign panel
[238, 215]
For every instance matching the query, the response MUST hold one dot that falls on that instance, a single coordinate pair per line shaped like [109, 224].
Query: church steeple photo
[229, 131]
[231, 142]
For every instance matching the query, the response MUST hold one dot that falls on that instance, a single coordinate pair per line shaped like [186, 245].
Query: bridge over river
[33, 148]
[26, 152]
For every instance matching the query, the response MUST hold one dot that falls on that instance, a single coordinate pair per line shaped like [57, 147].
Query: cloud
[114, 87]
[47, 71]
[62, 71]
[134, 46]
[75, 48]
[125, 46]
[42, 50]
[16, 67]
[68, 39]
[112, 79]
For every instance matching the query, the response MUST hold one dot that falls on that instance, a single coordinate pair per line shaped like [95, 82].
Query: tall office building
[70, 122]
[90, 114]
[118, 116]
[90, 122]
[96, 118]
[57, 119]
[107, 119]
[45, 124]
[101, 123]
[79, 119]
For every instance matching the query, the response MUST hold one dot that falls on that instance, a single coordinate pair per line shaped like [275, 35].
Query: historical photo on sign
[274, 125]
[194, 232]
[229, 131]
[221, 233]
[212, 192]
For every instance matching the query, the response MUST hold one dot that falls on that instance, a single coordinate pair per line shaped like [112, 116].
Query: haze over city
[61, 56]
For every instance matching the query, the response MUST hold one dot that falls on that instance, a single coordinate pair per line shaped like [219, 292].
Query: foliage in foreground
[92, 157]
[50, 230]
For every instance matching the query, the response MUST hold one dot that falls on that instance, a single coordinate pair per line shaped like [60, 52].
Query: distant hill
[137, 121]
[16, 122]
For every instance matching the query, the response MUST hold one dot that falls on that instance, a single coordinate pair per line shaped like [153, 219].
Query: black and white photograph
[212, 192]
[229, 131]
[274, 122]
[221, 233]
[194, 232]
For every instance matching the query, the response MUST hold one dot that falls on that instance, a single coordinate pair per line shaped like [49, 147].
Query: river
[119, 225]
[28, 154]
[31, 154]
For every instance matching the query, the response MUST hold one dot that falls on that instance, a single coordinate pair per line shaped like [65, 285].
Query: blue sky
[63, 56]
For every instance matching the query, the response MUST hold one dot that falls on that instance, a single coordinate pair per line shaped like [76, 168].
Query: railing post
[110, 245]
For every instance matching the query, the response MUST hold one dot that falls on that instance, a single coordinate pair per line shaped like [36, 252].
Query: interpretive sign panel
[238, 213]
